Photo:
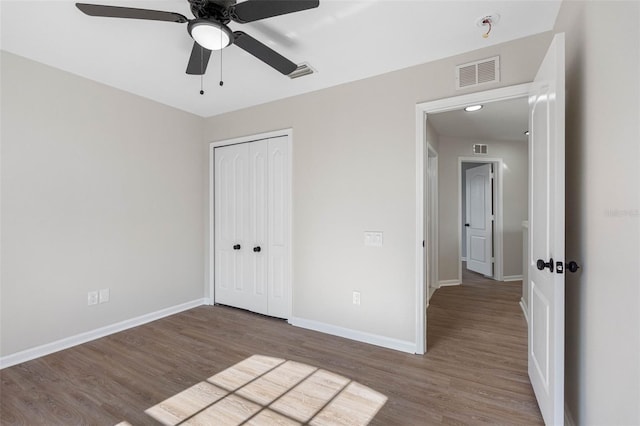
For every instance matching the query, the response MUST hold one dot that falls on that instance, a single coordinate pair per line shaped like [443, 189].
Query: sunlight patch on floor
[263, 390]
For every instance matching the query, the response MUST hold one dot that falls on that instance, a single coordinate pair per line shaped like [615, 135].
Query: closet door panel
[257, 266]
[231, 219]
[278, 198]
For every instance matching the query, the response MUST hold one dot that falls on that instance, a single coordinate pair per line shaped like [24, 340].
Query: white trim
[463, 259]
[431, 231]
[432, 291]
[422, 111]
[509, 278]
[421, 291]
[67, 342]
[523, 306]
[360, 336]
[288, 133]
[447, 283]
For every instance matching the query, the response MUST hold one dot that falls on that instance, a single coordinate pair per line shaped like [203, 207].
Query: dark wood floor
[475, 370]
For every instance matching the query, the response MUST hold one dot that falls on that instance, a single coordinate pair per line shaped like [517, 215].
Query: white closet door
[278, 252]
[231, 217]
[252, 189]
[257, 246]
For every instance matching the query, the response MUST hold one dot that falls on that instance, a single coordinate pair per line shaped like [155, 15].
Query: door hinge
[422, 243]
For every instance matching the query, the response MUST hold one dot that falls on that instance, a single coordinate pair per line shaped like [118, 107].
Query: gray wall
[354, 169]
[100, 189]
[515, 172]
[602, 211]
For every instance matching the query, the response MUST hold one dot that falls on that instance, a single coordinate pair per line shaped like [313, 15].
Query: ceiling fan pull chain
[221, 82]
[201, 69]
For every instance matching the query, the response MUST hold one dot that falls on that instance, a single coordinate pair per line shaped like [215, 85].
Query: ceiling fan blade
[198, 60]
[264, 53]
[254, 10]
[129, 12]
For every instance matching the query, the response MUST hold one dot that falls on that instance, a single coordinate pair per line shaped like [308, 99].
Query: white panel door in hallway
[479, 221]
[546, 241]
[252, 225]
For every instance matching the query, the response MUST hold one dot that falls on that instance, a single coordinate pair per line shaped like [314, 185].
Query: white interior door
[231, 220]
[255, 292]
[479, 222]
[546, 241]
[278, 227]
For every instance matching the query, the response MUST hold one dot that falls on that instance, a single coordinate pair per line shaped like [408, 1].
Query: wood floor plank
[474, 372]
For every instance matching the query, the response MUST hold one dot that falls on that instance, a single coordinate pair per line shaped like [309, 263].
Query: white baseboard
[431, 291]
[208, 301]
[360, 336]
[512, 278]
[67, 342]
[524, 310]
[445, 283]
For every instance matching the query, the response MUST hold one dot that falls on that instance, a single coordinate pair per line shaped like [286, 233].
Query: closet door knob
[236, 247]
[541, 265]
[573, 266]
[257, 249]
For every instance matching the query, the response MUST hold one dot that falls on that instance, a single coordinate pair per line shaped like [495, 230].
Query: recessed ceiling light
[473, 108]
[526, 132]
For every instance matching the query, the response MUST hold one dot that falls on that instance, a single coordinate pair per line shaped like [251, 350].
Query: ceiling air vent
[479, 148]
[302, 70]
[478, 72]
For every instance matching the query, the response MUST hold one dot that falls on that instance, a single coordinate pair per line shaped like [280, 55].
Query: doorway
[423, 113]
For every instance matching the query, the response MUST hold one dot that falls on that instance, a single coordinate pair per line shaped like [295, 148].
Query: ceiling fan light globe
[209, 34]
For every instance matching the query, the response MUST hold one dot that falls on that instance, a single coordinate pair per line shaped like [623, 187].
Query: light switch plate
[92, 298]
[373, 238]
[104, 295]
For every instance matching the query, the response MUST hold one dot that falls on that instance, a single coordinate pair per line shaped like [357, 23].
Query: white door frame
[431, 241]
[498, 240]
[422, 112]
[288, 133]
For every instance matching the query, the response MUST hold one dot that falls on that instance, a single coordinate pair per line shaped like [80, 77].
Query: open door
[479, 221]
[546, 242]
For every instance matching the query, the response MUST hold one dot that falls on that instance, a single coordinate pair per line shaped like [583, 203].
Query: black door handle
[466, 224]
[573, 266]
[236, 247]
[541, 264]
[257, 249]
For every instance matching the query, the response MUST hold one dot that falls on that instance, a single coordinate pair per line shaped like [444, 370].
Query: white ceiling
[343, 40]
[496, 121]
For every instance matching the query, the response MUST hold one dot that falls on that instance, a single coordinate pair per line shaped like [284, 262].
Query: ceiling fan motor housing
[212, 9]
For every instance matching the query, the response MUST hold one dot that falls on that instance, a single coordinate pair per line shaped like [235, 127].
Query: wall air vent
[479, 148]
[302, 70]
[478, 72]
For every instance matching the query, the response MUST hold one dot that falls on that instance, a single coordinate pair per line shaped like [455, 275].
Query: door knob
[236, 247]
[257, 249]
[466, 224]
[541, 264]
[573, 266]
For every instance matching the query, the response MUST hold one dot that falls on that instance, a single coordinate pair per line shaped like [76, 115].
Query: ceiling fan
[209, 29]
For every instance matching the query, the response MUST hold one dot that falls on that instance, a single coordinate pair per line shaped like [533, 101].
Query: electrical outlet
[104, 295]
[356, 297]
[92, 298]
